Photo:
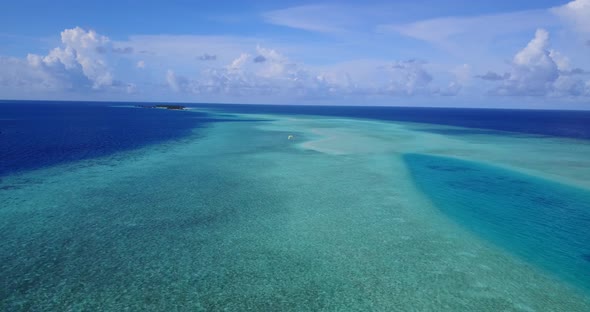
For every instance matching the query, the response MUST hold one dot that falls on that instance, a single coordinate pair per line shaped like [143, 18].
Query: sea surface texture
[111, 207]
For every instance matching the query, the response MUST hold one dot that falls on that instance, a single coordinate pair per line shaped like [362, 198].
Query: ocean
[109, 206]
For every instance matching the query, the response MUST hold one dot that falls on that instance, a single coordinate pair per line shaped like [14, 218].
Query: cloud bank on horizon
[322, 54]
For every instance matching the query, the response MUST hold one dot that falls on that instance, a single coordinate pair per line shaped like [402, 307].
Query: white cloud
[533, 69]
[80, 64]
[237, 63]
[81, 51]
[242, 69]
[536, 53]
[538, 71]
[18, 74]
[412, 78]
[562, 62]
[409, 77]
[492, 33]
[243, 76]
[279, 76]
[462, 77]
[576, 13]
[278, 66]
[81, 48]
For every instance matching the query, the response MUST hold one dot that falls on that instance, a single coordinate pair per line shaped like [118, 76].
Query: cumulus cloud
[78, 65]
[237, 63]
[409, 77]
[242, 76]
[19, 74]
[577, 14]
[536, 70]
[81, 51]
[277, 65]
[278, 76]
[82, 63]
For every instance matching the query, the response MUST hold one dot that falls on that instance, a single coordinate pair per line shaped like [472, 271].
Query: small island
[164, 106]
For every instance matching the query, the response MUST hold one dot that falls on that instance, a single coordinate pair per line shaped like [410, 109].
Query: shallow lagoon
[238, 217]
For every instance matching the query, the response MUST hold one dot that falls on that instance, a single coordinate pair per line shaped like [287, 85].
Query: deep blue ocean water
[38, 134]
[545, 222]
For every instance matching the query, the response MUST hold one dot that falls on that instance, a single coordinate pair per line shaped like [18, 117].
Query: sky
[519, 54]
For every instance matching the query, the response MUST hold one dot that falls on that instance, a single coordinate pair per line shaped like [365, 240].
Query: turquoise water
[545, 222]
[236, 216]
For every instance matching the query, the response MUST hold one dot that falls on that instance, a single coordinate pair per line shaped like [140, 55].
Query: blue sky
[530, 54]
